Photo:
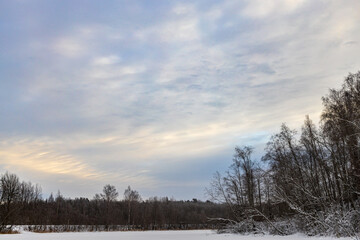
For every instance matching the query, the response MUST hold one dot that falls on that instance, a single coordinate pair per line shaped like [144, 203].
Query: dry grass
[42, 231]
[9, 232]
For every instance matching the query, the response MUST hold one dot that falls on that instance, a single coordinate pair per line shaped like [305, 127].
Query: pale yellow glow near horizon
[28, 157]
[35, 157]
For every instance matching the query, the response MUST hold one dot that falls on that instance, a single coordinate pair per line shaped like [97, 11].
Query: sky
[156, 94]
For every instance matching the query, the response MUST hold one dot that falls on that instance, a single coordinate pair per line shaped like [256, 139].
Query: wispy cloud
[261, 9]
[106, 60]
[53, 157]
[69, 47]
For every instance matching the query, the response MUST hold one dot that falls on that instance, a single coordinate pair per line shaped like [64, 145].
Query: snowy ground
[153, 235]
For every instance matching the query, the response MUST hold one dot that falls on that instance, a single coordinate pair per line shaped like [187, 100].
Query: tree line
[309, 177]
[22, 204]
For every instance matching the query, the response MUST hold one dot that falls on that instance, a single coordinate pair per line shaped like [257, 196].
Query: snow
[153, 235]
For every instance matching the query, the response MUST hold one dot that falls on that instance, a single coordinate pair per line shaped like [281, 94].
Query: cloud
[172, 32]
[123, 99]
[114, 72]
[69, 47]
[262, 9]
[107, 60]
[181, 26]
[184, 9]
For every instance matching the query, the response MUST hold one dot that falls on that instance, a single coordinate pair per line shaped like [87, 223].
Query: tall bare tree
[10, 193]
[131, 197]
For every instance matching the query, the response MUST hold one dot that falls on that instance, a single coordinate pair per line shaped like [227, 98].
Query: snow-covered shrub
[343, 222]
[246, 226]
[336, 220]
[287, 227]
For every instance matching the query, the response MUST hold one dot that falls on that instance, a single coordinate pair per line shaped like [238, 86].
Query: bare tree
[237, 188]
[109, 193]
[341, 121]
[10, 193]
[243, 159]
[131, 197]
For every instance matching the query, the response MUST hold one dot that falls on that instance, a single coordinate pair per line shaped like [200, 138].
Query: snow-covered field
[152, 235]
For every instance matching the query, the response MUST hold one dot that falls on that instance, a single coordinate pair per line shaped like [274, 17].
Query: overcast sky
[156, 94]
